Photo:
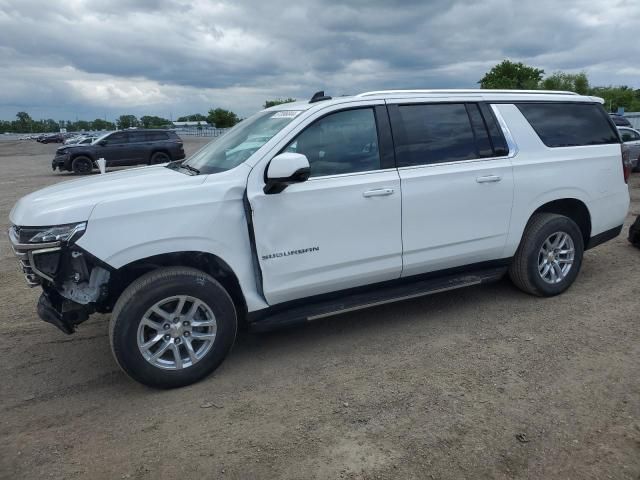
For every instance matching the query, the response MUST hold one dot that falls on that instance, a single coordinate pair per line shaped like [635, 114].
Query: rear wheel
[159, 157]
[172, 327]
[82, 165]
[549, 257]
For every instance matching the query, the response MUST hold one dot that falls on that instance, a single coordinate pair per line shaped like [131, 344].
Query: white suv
[306, 210]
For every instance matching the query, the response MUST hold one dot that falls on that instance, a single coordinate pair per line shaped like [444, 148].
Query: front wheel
[82, 165]
[549, 257]
[172, 327]
[159, 157]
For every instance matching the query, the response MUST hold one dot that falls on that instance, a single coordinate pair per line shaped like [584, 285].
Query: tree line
[512, 75]
[23, 123]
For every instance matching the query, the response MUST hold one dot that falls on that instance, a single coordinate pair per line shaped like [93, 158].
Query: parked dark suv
[620, 121]
[125, 147]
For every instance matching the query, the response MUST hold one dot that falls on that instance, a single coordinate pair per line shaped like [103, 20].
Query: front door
[457, 185]
[116, 151]
[341, 228]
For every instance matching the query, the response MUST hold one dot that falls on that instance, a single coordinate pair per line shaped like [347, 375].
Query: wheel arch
[158, 150]
[573, 208]
[209, 263]
[84, 153]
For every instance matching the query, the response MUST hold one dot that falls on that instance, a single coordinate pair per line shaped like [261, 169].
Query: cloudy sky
[97, 58]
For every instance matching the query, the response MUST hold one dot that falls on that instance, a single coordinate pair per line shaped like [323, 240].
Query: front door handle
[378, 192]
[489, 179]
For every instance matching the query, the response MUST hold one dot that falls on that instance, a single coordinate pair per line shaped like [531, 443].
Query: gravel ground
[485, 382]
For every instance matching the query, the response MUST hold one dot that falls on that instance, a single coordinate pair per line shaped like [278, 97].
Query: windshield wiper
[190, 168]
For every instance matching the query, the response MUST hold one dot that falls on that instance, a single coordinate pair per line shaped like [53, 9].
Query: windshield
[239, 143]
[101, 137]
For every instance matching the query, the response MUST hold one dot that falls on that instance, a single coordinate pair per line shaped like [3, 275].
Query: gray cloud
[93, 58]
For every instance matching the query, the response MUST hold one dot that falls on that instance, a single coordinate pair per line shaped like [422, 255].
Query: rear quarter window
[569, 124]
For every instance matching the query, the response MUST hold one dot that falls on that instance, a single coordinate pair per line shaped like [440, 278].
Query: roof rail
[465, 91]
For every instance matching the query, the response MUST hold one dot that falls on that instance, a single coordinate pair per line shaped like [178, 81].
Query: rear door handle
[489, 179]
[378, 192]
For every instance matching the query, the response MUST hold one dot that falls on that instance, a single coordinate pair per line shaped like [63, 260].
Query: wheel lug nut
[186, 334]
[167, 336]
[177, 341]
[185, 323]
[166, 326]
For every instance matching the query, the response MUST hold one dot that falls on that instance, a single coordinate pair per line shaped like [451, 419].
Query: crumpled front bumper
[60, 161]
[28, 254]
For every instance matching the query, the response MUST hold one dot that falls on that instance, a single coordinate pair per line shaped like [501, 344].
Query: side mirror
[284, 170]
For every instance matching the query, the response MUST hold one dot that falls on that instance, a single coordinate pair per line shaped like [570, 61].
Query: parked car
[80, 140]
[619, 120]
[307, 210]
[131, 147]
[54, 138]
[631, 139]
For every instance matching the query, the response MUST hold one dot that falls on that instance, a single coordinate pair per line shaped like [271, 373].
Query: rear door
[139, 146]
[457, 184]
[116, 149]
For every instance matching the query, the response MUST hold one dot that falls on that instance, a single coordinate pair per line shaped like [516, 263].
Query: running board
[369, 297]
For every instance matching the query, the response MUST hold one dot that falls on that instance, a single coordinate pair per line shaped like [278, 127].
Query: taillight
[626, 162]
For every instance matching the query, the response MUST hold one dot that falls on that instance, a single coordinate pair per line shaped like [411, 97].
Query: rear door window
[118, 138]
[156, 136]
[434, 133]
[569, 124]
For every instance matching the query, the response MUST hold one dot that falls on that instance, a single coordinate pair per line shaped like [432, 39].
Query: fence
[200, 131]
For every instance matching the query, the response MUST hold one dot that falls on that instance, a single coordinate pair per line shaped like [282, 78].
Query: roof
[442, 94]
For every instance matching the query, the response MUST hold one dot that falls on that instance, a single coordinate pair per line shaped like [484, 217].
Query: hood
[74, 200]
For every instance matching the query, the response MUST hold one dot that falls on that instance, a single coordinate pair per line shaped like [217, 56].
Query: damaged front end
[74, 283]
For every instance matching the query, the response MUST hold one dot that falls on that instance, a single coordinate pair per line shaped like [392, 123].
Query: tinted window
[342, 142]
[628, 135]
[156, 136]
[569, 125]
[483, 144]
[433, 134]
[136, 137]
[118, 138]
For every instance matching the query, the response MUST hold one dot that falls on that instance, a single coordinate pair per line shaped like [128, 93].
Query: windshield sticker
[286, 114]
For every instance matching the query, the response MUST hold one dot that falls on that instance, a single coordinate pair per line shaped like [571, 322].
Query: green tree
[196, 117]
[151, 121]
[100, 124]
[618, 96]
[572, 82]
[222, 118]
[510, 75]
[24, 122]
[127, 121]
[278, 101]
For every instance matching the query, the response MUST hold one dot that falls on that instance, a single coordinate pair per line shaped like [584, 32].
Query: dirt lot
[485, 382]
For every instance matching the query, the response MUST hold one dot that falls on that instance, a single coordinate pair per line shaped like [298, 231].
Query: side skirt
[313, 308]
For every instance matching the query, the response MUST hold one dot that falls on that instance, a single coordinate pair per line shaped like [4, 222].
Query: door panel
[116, 151]
[457, 184]
[455, 214]
[328, 234]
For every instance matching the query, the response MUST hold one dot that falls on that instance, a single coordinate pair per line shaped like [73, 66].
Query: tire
[127, 330]
[528, 270]
[82, 165]
[159, 157]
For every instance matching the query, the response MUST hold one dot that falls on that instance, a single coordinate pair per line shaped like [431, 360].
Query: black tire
[524, 270]
[144, 293]
[159, 157]
[81, 165]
